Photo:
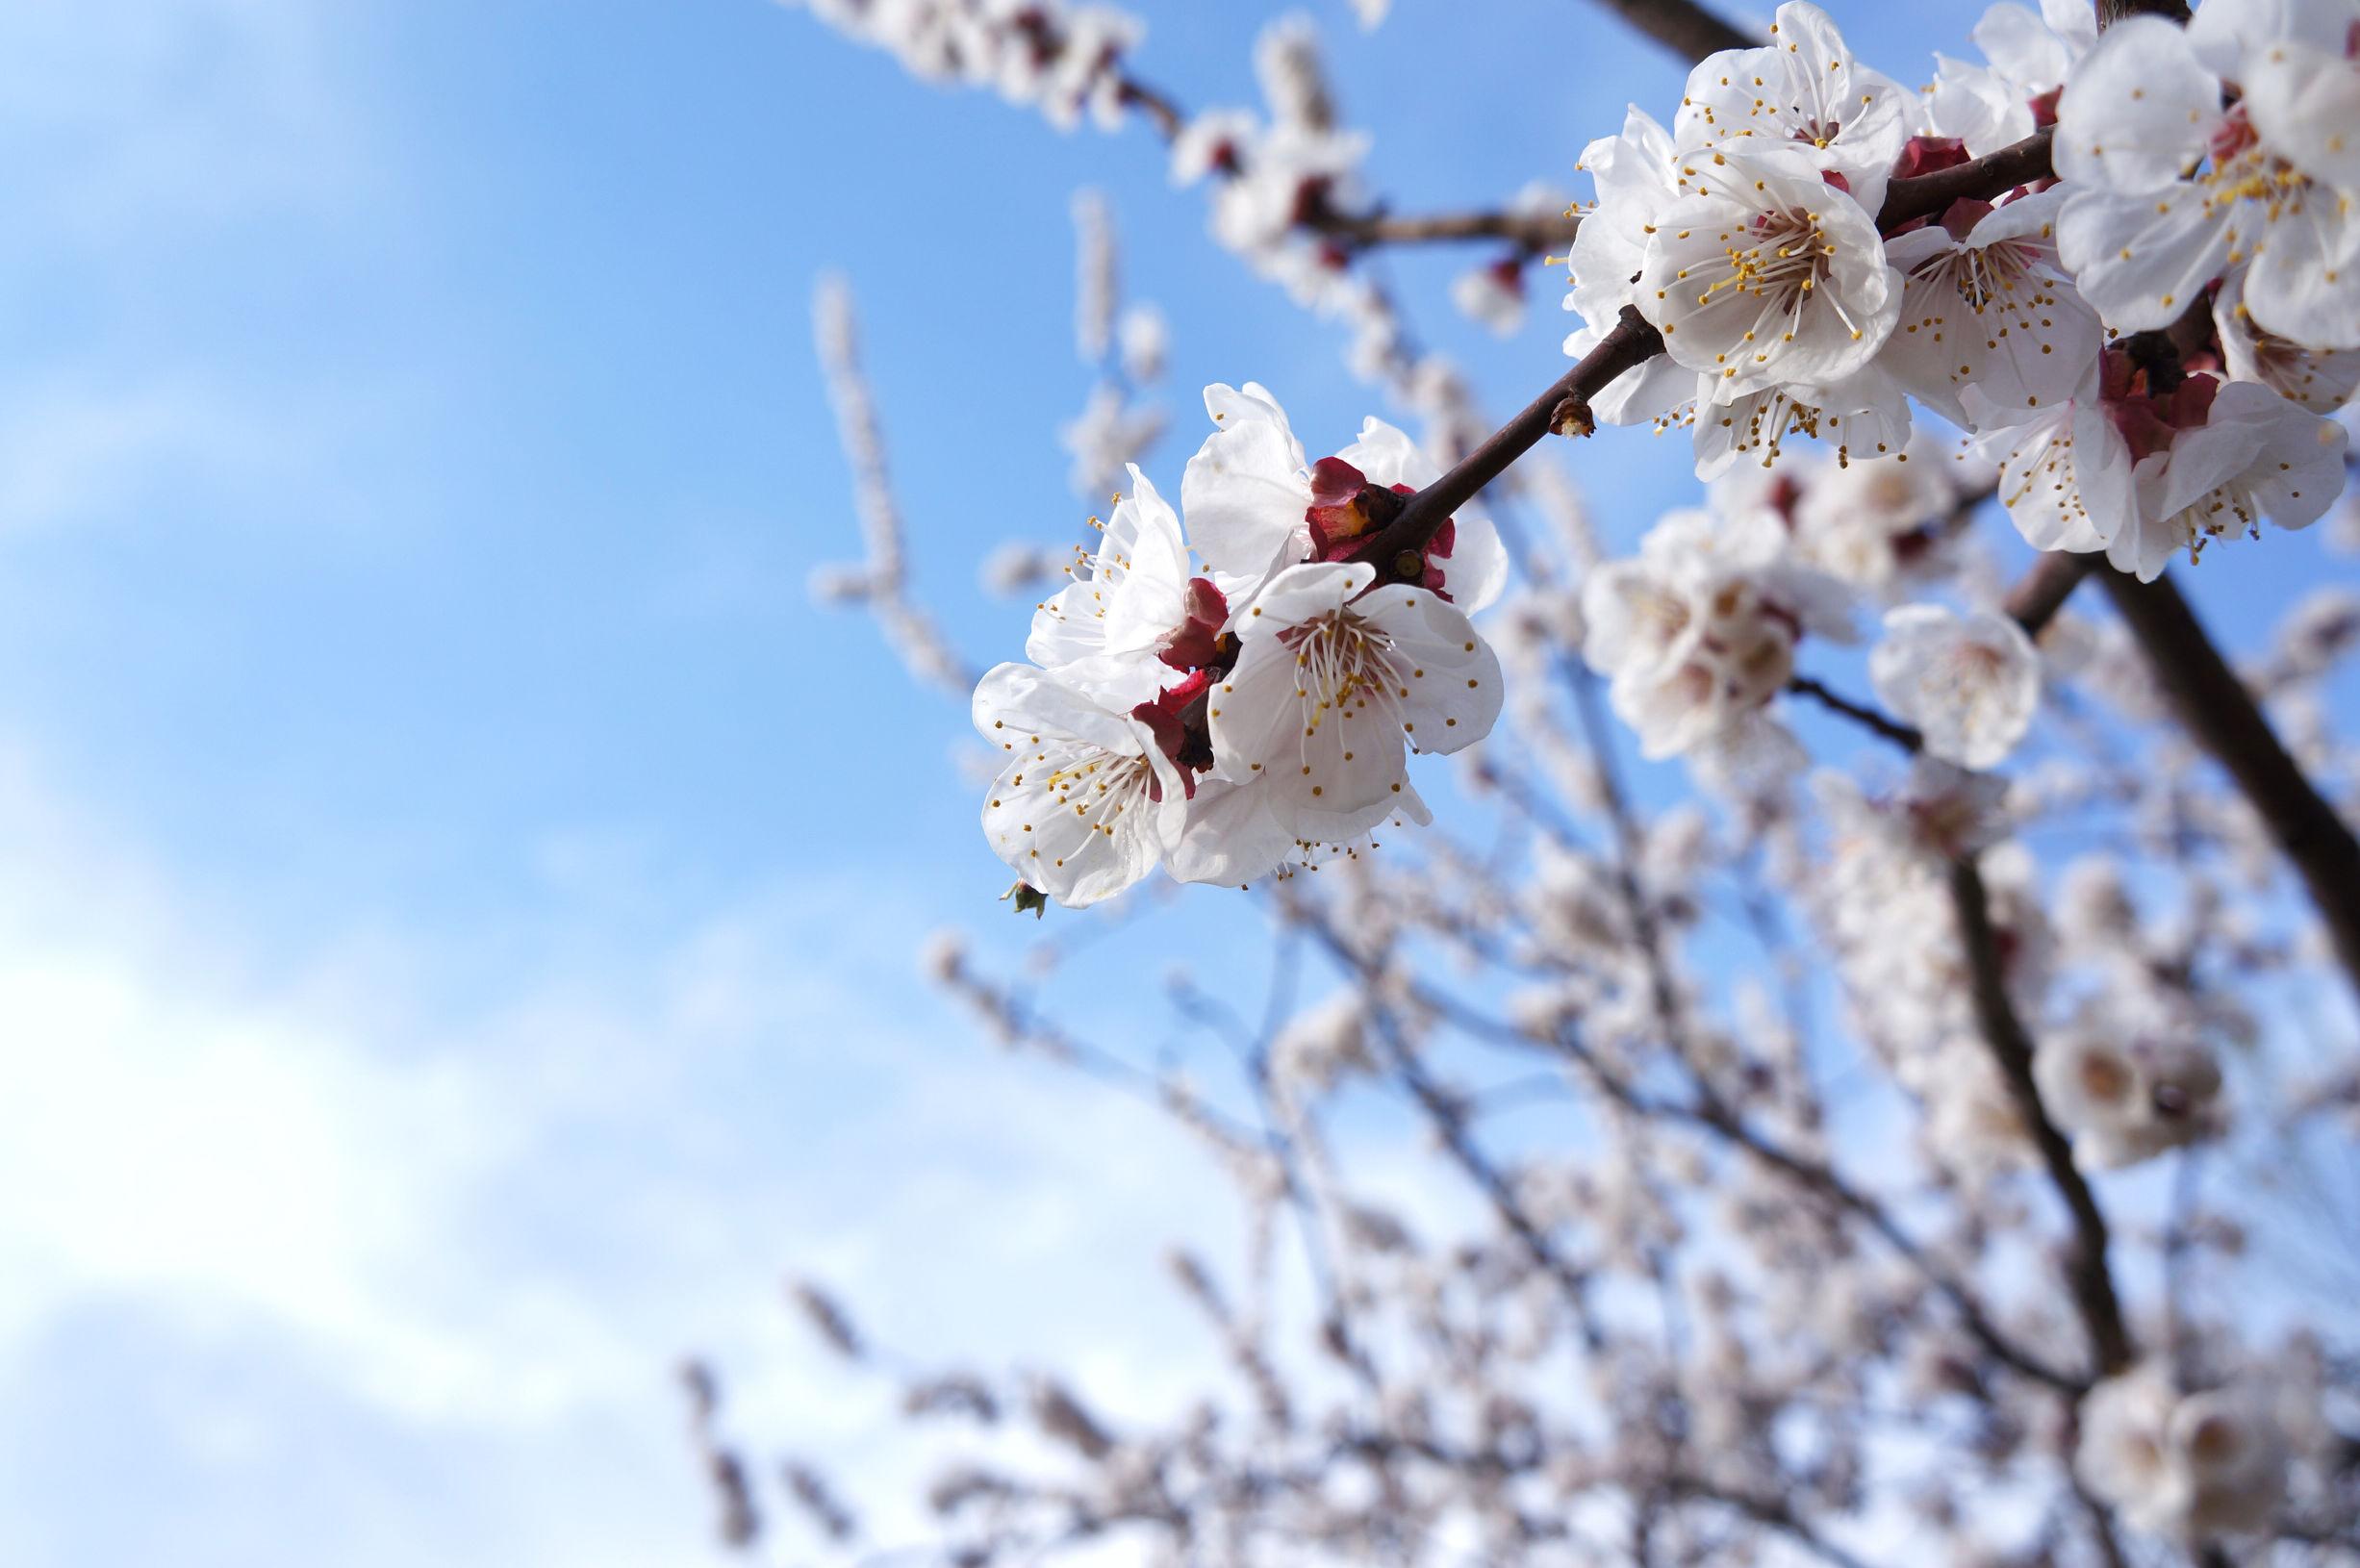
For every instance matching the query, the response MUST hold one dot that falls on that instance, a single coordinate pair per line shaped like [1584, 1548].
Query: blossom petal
[1451, 696]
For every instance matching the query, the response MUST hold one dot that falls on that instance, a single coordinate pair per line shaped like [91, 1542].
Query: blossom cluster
[1752, 235]
[1065, 59]
[1243, 695]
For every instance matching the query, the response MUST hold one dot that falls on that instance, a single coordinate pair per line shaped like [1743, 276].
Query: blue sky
[458, 935]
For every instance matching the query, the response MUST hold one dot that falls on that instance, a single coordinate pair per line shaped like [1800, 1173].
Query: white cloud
[500, 1222]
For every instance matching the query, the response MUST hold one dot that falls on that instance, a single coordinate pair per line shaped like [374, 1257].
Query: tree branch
[2041, 592]
[2087, 1272]
[2214, 707]
[1902, 735]
[1533, 233]
[1687, 30]
[1632, 342]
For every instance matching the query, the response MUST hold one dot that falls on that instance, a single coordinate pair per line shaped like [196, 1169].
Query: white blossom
[1988, 309]
[2256, 455]
[1971, 683]
[1766, 275]
[2183, 1464]
[2270, 198]
[1107, 625]
[1086, 804]
[1804, 89]
[2126, 1093]
[1332, 683]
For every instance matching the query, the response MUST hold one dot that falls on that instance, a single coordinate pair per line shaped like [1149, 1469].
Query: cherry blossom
[2142, 239]
[2183, 1464]
[2256, 455]
[1698, 631]
[1768, 275]
[1124, 603]
[2066, 473]
[1988, 107]
[1802, 89]
[1250, 495]
[2322, 381]
[2123, 1094]
[1985, 304]
[1333, 683]
[1969, 682]
[1087, 803]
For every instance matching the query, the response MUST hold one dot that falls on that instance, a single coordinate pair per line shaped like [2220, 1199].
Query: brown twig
[2041, 592]
[2087, 1272]
[1534, 234]
[1689, 29]
[1632, 342]
[1927, 195]
[1902, 735]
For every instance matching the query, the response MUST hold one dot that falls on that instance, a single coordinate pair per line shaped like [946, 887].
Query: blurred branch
[1535, 233]
[2087, 1272]
[1685, 28]
[881, 581]
[1902, 735]
[2217, 710]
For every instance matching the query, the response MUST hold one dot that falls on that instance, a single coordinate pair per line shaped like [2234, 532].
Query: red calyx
[1180, 732]
[1197, 640]
[1336, 514]
[2148, 420]
[1962, 216]
[1925, 154]
[2235, 134]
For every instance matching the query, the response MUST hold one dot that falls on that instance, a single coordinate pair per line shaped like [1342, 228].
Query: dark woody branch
[1687, 30]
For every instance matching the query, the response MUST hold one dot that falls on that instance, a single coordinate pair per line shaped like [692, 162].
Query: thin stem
[1902, 735]
[1534, 234]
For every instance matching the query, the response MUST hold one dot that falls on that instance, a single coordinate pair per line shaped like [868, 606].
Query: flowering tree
[2059, 1293]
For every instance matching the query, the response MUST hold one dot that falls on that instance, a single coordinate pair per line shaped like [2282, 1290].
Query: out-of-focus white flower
[1144, 341]
[1320, 1049]
[1874, 523]
[1699, 629]
[1971, 683]
[2123, 1095]
[1493, 295]
[1293, 78]
[2183, 1464]
[1109, 434]
[1019, 566]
